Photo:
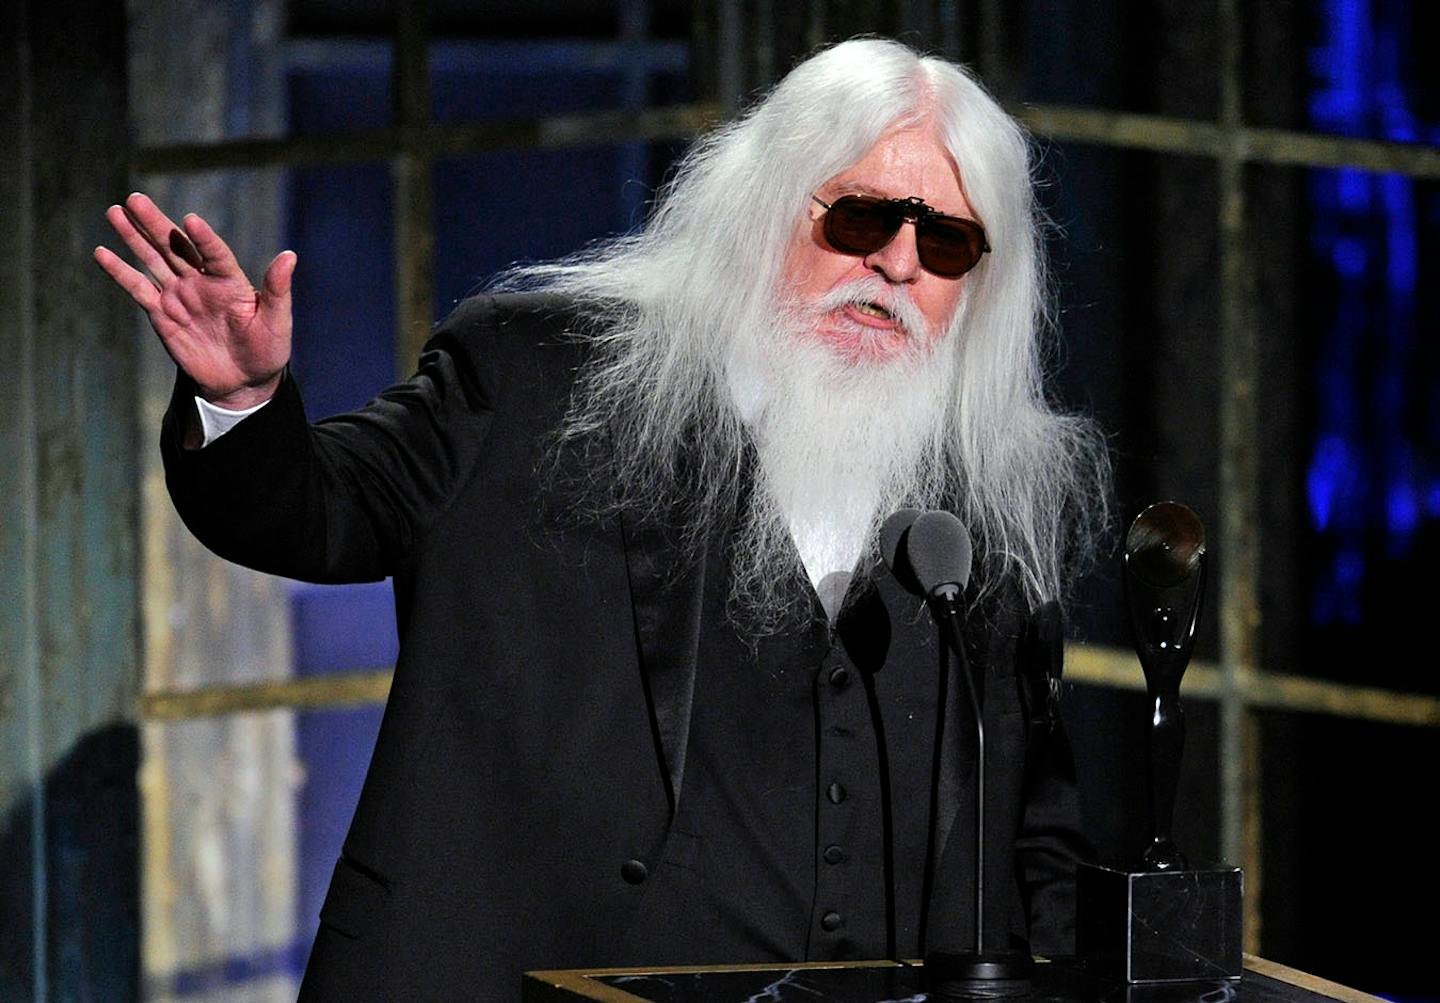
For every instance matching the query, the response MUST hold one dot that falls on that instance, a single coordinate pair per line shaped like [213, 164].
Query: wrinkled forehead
[904, 162]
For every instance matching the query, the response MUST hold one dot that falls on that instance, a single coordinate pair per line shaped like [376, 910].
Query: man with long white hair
[657, 701]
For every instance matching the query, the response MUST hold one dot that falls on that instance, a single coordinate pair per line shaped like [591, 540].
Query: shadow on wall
[87, 875]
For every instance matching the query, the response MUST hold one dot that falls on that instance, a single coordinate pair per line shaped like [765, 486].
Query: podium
[1057, 981]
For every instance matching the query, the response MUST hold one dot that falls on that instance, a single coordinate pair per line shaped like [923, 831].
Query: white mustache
[874, 289]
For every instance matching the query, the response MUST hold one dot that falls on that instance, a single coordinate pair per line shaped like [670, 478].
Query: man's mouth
[874, 310]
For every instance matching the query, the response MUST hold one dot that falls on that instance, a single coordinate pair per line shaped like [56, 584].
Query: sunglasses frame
[907, 210]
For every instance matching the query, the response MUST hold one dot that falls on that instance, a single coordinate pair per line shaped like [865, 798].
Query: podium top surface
[891, 982]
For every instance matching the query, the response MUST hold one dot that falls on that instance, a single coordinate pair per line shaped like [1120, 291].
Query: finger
[174, 307]
[140, 288]
[217, 257]
[127, 227]
[139, 227]
[156, 227]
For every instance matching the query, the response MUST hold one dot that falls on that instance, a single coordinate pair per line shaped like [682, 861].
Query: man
[656, 700]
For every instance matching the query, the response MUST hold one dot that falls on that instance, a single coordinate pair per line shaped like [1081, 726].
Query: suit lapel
[667, 598]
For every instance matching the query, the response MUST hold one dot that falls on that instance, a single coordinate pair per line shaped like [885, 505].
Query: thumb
[278, 275]
[275, 288]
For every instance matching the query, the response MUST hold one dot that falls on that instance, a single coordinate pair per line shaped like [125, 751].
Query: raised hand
[231, 338]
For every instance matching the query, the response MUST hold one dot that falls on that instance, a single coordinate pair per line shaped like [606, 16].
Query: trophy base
[1159, 926]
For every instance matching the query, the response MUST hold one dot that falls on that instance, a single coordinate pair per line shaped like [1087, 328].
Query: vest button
[839, 677]
[830, 922]
[634, 872]
[836, 793]
[833, 854]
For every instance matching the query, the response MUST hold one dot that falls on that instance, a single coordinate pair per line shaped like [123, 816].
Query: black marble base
[1163, 926]
[1060, 981]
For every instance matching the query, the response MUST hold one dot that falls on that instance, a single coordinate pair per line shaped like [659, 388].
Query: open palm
[232, 339]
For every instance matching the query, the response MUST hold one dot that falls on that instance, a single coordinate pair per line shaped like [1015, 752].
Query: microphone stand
[930, 554]
[976, 974]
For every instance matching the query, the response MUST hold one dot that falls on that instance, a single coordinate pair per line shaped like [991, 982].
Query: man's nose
[899, 260]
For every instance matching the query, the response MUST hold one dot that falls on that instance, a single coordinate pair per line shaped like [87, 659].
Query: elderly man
[657, 701]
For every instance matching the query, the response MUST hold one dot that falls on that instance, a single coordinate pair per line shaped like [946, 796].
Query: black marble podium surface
[1059, 981]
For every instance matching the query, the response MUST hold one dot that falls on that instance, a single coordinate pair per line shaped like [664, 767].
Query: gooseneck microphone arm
[949, 614]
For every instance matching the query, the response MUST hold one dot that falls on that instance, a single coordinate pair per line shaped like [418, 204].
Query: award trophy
[1162, 921]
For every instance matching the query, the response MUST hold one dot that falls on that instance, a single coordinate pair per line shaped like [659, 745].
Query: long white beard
[841, 444]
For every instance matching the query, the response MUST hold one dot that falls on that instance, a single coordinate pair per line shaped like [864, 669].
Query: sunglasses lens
[949, 246]
[861, 224]
[856, 224]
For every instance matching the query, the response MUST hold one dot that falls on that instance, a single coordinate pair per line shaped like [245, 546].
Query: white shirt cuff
[216, 421]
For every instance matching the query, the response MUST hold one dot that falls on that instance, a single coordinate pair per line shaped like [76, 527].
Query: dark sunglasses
[862, 224]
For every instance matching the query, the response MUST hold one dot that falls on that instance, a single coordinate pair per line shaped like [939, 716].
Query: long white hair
[664, 308]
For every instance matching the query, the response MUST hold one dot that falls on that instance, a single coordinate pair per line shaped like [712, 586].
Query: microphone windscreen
[892, 534]
[939, 550]
[892, 548]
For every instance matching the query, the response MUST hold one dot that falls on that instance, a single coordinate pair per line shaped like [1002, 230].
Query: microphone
[893, 535]
[939, 551]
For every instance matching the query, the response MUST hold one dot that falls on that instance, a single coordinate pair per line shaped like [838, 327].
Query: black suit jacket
[532, 747]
